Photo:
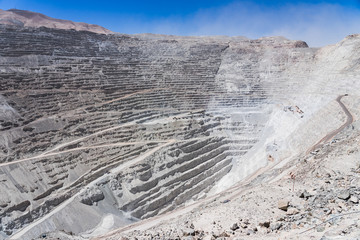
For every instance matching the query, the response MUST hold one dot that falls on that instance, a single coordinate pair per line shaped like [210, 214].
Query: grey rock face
[91, 196]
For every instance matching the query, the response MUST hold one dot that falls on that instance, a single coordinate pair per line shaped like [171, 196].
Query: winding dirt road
[148, 223]
[230, 193]
[333, 133]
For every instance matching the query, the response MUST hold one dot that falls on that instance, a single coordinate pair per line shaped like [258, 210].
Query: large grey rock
[354, 199]
[91, 196]
[344, 195]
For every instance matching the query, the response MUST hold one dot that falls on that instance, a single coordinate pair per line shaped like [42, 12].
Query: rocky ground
[315, 196]
[99, 131]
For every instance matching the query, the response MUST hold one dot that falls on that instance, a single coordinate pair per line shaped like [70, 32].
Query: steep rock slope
[313, 196]
[122, 127]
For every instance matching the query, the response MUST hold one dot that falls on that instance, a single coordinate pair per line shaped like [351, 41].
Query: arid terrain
[21, 18]
[114, 136]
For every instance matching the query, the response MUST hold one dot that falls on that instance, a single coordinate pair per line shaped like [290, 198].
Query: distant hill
[25, 18]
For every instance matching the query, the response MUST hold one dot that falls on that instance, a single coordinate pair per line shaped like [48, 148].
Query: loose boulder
[354, 199]
[283, 204]
[292, 211]
[91, 195]
[344, 195]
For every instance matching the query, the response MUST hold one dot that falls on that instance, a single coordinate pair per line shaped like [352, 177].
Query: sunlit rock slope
[126, 127]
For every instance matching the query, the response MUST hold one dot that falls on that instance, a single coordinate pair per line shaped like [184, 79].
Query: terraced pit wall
[132, 126]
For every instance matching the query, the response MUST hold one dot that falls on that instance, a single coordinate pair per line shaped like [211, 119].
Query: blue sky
[317, 22]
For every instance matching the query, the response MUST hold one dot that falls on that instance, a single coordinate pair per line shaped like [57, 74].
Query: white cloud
[317, 24]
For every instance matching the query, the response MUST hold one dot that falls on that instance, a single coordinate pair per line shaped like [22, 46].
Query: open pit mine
[114, 136]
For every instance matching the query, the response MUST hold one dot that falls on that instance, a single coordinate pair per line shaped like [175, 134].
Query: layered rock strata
[136, 126]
